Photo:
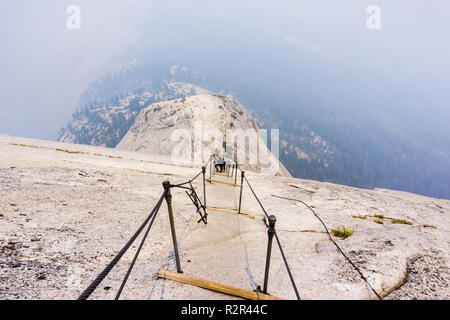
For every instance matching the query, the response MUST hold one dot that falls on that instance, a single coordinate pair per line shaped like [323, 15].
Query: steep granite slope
[202, 124]
[66, 210]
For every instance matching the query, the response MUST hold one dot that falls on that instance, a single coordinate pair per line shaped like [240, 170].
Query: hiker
[215, 155]
[220, 163]
[224, 164]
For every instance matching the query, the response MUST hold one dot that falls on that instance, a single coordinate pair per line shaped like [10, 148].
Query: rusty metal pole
[166, 185]
[240, 195]
[270, 233]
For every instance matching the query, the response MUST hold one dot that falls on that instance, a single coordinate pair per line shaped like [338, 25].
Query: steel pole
[240, 195]
[204, 187]
[166, 185]
[210, 170]
[270, 233]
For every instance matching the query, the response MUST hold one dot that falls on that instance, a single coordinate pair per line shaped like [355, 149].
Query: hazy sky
[45, 66]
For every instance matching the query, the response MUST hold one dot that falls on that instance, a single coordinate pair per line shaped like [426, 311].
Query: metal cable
[329, 235]
[191, 180]
[279, 243]
[180, 184]
[86, 293]
[138, 251]
[195, 176]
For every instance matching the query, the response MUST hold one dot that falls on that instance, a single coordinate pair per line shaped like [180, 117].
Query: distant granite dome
[105, 123]
[206, 117]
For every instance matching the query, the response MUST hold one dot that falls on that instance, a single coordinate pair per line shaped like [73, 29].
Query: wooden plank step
[235, 210]
[214, 286]
[221, 174]
[231, 184]
[231, 212]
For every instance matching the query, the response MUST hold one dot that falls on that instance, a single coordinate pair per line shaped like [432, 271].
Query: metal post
[270, 233]
[166, 185]
[235, 166]
[210, 170]
[240, 195]
[204, 187]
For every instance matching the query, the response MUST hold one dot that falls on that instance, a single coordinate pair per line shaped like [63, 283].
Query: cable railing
[200, 206]
[271, 232]
[201, 209]
[272, 220]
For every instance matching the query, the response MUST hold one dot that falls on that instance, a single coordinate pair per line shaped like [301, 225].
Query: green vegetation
[379, 216]
[221, 97]
[26, 145]
[429, 226]
[134, 104]
[69, 151]
[231, 125]
[342, 232]
[220, 107]
[107, 122]
[400, 221]
[378, 221]
[358, 217]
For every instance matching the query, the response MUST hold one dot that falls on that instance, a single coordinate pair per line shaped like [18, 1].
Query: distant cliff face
[319, 139]
[105, 124]
[193, 127]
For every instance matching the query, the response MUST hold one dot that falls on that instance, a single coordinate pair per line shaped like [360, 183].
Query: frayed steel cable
[337, 246]
[86, 293]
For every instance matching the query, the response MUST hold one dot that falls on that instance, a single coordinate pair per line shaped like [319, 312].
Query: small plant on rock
[401, 221]
[342, 232]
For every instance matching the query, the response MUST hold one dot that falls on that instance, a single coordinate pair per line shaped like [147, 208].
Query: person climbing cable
[224, 164]
[220, 163]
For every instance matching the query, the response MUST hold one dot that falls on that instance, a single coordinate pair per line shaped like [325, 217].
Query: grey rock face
[208, 122]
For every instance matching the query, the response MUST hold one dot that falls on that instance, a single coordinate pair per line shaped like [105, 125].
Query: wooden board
[214, 286]
[221, 174]
[231, 212]
[231, 184]
[235, 210]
